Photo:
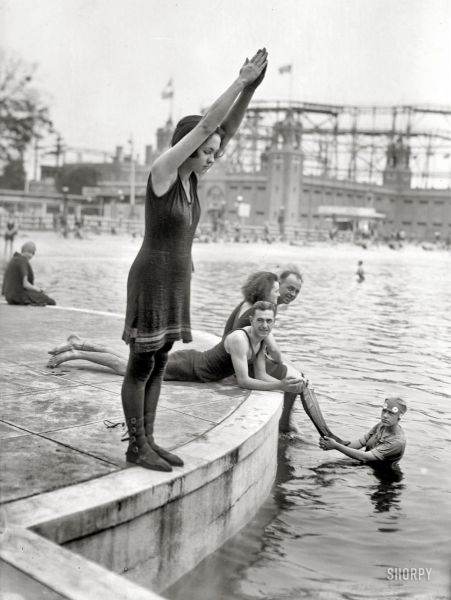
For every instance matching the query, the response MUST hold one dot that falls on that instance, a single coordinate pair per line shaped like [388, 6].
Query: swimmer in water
[360, 272]
[384, 443]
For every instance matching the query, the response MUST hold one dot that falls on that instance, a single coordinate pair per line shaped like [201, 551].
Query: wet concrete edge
[35, 527]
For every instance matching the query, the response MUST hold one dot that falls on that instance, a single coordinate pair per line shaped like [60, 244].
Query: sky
[103, 64]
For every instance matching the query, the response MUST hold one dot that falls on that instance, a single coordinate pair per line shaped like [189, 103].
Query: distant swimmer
[360, 272]
[384, 443]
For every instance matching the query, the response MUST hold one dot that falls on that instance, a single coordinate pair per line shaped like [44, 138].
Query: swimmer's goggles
[394, 410]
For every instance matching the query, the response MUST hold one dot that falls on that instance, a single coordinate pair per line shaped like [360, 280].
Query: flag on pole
[285, 69]
[168, 91]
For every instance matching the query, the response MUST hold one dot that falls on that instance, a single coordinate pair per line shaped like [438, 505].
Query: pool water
[332, 528]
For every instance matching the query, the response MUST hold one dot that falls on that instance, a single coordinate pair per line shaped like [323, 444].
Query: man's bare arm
[237, 346]
[272, 349]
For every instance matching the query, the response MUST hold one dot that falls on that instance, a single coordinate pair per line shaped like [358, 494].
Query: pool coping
[238, 456]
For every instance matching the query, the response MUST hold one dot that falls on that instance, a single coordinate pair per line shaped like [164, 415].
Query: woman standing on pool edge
[158, 286]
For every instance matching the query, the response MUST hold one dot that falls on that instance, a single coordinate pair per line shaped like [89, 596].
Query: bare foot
[56, 360]
[60, 349]
[77, 342]
[73, 341]
[73, 338]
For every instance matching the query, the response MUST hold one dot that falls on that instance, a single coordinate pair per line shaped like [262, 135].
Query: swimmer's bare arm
[352, 450]
[164, 169]
[356, 444]
[237, 346]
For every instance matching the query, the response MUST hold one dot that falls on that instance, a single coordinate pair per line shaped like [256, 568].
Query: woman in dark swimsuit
[158, 287]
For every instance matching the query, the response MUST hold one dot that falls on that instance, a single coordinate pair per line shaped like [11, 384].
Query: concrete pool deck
[65, 481]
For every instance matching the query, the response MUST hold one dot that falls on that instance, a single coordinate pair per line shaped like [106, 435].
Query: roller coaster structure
[348, 142]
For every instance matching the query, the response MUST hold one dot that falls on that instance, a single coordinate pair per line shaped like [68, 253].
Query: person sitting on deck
[18, 281]
[384, 443]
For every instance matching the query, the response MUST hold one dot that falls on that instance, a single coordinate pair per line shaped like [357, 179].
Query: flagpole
[132, 175]
[290, 92]
[288, 69]
[168, 94]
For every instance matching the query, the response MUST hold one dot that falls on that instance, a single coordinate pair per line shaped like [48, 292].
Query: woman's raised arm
[164, 169]
[235, 115]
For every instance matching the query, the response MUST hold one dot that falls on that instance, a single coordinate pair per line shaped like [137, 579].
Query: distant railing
[28, 221]
[119, 226]
[49, 222]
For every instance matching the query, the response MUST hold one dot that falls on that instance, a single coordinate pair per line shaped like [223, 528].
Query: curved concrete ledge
[151, 527]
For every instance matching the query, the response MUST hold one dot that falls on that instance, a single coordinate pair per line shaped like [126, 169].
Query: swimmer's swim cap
[395, 405]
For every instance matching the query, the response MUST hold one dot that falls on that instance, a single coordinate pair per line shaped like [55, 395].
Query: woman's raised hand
[254, 68]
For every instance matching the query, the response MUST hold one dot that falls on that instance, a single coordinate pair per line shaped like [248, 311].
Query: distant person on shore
[63, 228]
[360, 272]
[384, 443]
[158, 285]
[11, 231]
[78, 229]
[18, 280]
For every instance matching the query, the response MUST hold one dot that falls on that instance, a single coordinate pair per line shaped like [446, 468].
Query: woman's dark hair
[187, 124]
[258, 286]
[262, 305]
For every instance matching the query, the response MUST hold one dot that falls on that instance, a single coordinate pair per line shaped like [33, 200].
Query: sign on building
[244, 210]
